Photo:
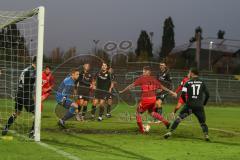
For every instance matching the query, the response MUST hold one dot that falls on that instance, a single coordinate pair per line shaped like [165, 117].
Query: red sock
[159, 117]
[139, 123]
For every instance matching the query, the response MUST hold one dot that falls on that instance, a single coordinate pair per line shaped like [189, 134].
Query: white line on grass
[217, 129]
[72, 157]
[60, 152]
[221, 130]
[63, 153]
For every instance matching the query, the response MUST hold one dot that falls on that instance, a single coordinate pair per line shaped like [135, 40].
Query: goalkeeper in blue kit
[63, 94]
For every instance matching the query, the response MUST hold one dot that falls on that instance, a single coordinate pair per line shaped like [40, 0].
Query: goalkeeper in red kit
[149, 86]
[47, 83]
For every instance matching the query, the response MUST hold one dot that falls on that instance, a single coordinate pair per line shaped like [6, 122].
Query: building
[218, 55]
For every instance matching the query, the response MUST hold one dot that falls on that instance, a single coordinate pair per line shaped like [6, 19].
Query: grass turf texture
[118, 138]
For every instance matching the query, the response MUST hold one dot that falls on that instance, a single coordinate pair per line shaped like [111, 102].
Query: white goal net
[21, 53]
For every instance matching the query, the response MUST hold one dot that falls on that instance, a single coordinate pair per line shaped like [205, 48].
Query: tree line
[13, 45]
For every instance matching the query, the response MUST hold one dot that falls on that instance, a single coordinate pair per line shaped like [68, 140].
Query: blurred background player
[24, 96]
[197, 97]
[84, 86]
[47, 84]
[179, 89]
[164, 78]
[103, 89]
[149, 86]
[63, 94]
[109, 100]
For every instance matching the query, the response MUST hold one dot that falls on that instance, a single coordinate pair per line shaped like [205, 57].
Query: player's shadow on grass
[98, 148]
[123, 131]
[91, 148]
[137, 156]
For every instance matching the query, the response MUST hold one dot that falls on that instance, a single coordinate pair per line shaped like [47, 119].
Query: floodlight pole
[198, 49]
[210, 56]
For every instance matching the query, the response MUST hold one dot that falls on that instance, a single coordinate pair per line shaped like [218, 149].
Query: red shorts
[180, 100]
[146, 104]
[45, 95]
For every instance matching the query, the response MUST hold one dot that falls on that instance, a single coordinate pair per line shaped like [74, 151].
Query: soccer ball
[146, 128]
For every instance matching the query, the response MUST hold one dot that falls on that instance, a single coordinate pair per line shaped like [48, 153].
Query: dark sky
[77, 22]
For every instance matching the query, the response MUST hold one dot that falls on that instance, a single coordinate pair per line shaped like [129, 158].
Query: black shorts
[24, 100]
[104, 95]
[162, 95]
[84, 93]
[198, 111]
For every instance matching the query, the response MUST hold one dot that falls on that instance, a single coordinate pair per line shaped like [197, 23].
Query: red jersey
[47, 81]
[184, 80]
[149, 85]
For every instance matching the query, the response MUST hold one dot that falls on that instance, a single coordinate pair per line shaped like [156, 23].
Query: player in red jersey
[47, 83]
[180, 100]
[149, 86]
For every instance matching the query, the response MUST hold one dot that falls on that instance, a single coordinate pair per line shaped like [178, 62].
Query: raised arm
[174, 94]
[131, 86]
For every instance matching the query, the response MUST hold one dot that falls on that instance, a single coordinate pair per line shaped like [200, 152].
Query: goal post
[21, 39]
[41, 14]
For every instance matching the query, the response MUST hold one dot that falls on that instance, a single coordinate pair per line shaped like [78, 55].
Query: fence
[223, 89]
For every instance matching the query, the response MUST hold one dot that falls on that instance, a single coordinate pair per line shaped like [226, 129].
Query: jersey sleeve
[185, 88]
[168, 77]
[184, 92]
[27, 78]
[138, 82]
[113, 77]
[180, 86]
[207, 95]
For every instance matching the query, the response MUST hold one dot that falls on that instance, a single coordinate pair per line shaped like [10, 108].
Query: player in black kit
[109, 98]
[103, 88]
[195, 95]
[165, 79]
[24, 96]
[84, 86]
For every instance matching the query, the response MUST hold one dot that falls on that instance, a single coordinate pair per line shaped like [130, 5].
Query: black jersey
[165, 78]
[84, 79]
[195, 93]
[27, 79]
[103, 80]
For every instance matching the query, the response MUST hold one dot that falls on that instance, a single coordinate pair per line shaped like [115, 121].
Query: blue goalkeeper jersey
[65, 89]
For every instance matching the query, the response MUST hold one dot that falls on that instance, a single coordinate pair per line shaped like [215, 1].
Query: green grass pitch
[117, 138]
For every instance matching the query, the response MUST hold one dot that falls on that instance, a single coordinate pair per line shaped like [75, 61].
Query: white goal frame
[40, 13]
[41, 18]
